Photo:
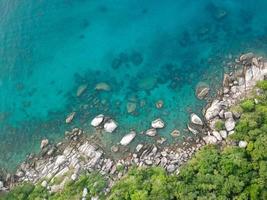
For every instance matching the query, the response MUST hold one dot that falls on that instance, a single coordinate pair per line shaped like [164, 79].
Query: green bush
[262, 85]
[248, 105]
[219, 125]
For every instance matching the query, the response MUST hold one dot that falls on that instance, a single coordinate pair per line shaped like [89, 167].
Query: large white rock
[213, 110]
[151, 132]
[230, 124]
[196, 119]
[210, 139]
[127, 139]
[110, 126]
[242, 144]
[158, 123]
[97, 120]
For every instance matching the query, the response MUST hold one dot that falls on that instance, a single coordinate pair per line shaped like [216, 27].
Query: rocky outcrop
[196, 119]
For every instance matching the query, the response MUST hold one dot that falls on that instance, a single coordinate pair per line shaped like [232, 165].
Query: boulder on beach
[151, 132]
[103, 86]
[81, 89]
[70, 117]
[110, 126]
[158, 123]
[196, 119]
[242, 144]
[127, 139]
[97, 120]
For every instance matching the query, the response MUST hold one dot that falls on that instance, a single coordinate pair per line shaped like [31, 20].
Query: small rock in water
[97, 120]
[110, 126]
[159, 104]
[151, 132]
[44, 143]
[102, 86]
[81, 89]
[158, 123]
[127, 139]
[196, 119]
[131, 107]
[242, 144]
[114, 148]
[70, 117]
[175, 133]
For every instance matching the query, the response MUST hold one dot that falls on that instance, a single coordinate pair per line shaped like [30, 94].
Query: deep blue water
[146, 51]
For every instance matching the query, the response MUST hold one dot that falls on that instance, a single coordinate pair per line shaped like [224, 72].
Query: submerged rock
[158, 123]
[175, 133]
[97, 120]
[202, 90]
[114, 148]
[103, 86]
[131, 107]
[127, 139]
[159, 104]
[196, 119]
[246, 57]
[81, 89]
[70, 117]
[151, 132]
[147, 83]
[110, 126]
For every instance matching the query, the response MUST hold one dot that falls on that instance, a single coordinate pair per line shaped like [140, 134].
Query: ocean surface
[143, 50]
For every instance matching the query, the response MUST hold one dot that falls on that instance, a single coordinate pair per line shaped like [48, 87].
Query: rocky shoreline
[78, 153]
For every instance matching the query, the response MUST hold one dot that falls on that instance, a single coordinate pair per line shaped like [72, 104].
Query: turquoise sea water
[146, 51]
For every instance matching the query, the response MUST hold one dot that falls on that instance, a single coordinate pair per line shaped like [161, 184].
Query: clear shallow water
[145, 50]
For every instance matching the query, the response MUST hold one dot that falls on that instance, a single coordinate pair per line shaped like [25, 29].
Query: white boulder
[242, 144]
[127, 139]
[192, 130]
[151, 132]
[110, 126]
[196, 119]
[223, 133]
[158, 123]
[97, 120]
[230, 124]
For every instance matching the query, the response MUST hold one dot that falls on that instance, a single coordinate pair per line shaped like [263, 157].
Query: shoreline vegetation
[226, 160]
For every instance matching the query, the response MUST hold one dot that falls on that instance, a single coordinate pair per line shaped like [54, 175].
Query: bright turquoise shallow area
[146, 51]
